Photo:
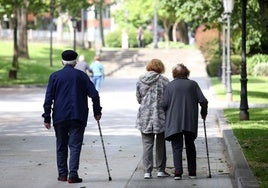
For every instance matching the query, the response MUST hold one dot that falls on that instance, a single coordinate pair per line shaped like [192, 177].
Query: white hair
[73, 62]
[81, 58]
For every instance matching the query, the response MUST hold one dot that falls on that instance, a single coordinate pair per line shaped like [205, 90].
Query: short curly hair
[156, 65]
[180, 71]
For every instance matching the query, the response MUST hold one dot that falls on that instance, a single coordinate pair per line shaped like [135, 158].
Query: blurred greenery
[257, 88]
[37, 69]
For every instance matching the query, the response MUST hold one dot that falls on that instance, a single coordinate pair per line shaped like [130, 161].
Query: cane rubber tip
[209, 176]
[110, 179]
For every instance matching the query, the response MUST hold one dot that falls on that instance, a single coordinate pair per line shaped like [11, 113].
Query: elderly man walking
[67, 94]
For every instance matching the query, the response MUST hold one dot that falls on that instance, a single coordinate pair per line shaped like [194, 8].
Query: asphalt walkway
[27, 151]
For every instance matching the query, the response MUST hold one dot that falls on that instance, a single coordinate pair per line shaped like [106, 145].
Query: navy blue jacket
[68, 91]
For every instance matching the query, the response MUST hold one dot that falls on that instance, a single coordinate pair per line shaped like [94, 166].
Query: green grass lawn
[37, 69]
[253, 138]
[253, 134]
[257, 88]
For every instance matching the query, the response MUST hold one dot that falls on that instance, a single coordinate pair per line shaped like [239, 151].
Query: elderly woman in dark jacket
[151, 117]
[180, 101]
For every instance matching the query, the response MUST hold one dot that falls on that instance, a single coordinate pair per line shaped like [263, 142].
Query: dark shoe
[177, 176]
[75, 180]
[62, 178]
[192, 175]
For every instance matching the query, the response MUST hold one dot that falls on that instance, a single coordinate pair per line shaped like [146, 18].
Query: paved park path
[27, 151]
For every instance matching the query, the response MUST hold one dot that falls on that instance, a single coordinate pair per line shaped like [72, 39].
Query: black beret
[69, 55]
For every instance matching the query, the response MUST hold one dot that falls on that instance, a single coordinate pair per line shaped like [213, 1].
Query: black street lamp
[244, 115]
[74, 23]
[228, 8]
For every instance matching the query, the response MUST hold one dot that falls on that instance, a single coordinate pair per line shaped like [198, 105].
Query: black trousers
[177, 147]
[69, 134]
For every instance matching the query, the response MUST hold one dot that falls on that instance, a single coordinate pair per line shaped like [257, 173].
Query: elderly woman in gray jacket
[151, 117]
[180, 101]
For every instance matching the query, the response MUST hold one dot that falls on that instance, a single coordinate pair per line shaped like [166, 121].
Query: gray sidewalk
[27, 151]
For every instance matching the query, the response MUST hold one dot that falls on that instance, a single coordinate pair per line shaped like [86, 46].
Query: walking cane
[209, 172]
[108, 170]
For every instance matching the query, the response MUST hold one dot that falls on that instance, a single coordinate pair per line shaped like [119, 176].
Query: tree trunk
[174, 32]
[83, 27]
[183, 32]
[101, 23]
[60, 26]
[52, 8]
[15, 64]
[166, 33]
[264, 12]
[23, 36]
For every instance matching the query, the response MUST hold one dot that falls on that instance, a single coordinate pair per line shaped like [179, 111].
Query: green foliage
[113, 39]
[214, 66]
[204, 12]
[7, 7]
[133, 42]
[254, 60]
[70, 6]
[252, 136]
[236, 61]
[134, 13]
[261, 69]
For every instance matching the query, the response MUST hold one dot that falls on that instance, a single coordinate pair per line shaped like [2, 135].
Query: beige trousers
[160, 152]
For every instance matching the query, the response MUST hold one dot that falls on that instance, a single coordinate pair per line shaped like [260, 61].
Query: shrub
[261, 69]
[113, 39]
[207, 41]
[214, 67]
[236, 64]
[254, 60]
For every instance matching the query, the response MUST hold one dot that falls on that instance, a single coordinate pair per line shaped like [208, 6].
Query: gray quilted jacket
[149, 92]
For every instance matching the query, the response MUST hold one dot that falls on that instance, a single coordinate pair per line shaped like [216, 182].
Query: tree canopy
[202, 12]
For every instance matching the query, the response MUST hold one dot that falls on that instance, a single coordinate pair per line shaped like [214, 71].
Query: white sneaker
[192, 177]
[162, 174]
[147, 175]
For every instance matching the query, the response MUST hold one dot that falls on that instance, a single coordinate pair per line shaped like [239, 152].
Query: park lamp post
[243, 115]
[228, 8]
[223, 65]
[74, 23]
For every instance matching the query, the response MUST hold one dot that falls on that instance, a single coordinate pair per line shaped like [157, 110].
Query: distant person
[67, 99]
[97, 70]
[82, 65]
[140, 37]
[181, 99]
[151, 117]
